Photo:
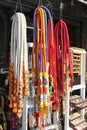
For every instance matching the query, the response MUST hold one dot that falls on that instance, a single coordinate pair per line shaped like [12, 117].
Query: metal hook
[61, 9]
[40, 2]
[20, 5]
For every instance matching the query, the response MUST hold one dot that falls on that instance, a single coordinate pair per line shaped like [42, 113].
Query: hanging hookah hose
[43, 86]
[64, 66]
[18, 68]
[49, 66]
[39, 74]
[44, 56]
[52, 61]
[53, 72]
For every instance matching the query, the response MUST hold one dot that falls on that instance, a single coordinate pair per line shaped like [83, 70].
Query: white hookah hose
[25, 45]
[19, 50]
[19, 76]
[16, 44]
[12, 39]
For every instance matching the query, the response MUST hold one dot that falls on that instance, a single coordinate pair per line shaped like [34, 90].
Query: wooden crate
[76, 62]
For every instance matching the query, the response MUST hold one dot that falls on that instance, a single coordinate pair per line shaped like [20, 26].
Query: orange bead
[20, 106]
[14, 105]
[19, 115]
[26, 72]
[14, 110]
[20, 96]
[26, 93]
[10, 105]
[14, 98]
[19, 110]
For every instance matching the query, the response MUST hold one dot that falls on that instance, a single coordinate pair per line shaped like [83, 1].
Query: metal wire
[40, 2]
[61, 9]
[18, 4]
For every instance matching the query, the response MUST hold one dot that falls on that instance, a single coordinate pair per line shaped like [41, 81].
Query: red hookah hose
[52, 68]
[64, 65]
[63, 53]
[52, 54]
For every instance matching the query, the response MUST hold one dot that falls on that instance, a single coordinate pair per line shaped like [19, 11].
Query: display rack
[81, 86]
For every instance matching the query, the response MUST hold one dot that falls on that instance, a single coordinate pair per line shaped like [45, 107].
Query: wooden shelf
[81, 106]
[77, 102]
[82, 126]
[76, 122]
[74, 97]
[74, 116]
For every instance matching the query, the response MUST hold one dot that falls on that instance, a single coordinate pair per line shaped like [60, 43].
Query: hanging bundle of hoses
[64, 63]
[18, 65]
[45, 62]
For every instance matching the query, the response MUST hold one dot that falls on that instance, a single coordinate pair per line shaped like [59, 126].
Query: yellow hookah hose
[42, 32]
[44, 68]
[43, 59]
[39, 95]
[42, 74]
[40, 85]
